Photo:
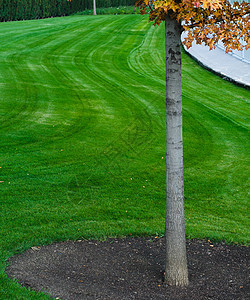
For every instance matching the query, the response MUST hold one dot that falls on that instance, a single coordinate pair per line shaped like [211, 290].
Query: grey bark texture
[176, 272]
[94, 7]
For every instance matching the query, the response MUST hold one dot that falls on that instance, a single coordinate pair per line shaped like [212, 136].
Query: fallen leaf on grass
[35, 248]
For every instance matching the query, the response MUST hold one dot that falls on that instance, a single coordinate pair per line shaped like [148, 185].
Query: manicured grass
[83, 137]
[120, 10]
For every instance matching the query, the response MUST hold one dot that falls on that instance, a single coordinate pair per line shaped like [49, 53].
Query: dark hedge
[15, 10]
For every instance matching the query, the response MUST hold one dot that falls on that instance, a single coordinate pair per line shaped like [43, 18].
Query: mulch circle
[131, 268]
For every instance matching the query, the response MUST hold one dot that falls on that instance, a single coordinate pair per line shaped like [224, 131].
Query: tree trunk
[176, 259]
[94, 7]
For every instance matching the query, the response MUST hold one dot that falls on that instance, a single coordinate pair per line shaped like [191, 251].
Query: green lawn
[82, 119]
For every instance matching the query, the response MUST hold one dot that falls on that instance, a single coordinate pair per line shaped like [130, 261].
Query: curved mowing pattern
[82, 120]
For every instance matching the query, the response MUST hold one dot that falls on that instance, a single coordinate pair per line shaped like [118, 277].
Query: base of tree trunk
[179, 280]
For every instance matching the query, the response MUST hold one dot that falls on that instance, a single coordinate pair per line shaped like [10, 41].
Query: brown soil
[131, 268]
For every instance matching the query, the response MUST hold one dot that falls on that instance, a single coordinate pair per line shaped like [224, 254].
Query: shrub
[15, 10]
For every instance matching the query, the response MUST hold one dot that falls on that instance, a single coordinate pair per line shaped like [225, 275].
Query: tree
[206, 21]
[94, 7]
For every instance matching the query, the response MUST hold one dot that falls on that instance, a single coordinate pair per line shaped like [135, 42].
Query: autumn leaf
[206, 21]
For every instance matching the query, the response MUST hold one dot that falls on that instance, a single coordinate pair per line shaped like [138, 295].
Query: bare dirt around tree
[131, 268]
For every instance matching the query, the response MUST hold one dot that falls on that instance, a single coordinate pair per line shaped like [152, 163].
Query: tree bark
[176, 272]
[94, 7]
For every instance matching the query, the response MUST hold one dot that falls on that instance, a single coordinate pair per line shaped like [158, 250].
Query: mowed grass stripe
[83, 137]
